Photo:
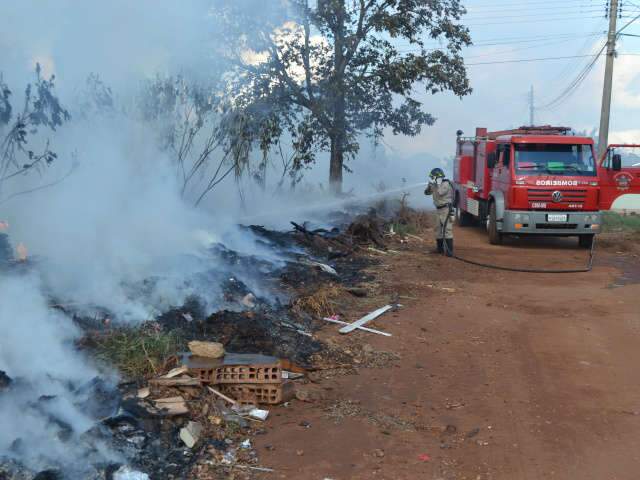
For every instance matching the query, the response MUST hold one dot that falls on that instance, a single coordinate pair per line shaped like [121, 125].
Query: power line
[555, 6]
[545, 20]
[529, 47]
[407, 47]
[523, 4]
[528, 11]
[575, 83]
[529, 15]
[525, 60]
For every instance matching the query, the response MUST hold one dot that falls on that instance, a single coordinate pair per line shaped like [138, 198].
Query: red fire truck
[538, 180]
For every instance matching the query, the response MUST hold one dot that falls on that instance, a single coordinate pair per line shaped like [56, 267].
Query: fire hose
[446, 252]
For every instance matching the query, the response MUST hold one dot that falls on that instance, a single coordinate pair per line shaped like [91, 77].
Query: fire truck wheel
[585, 241]
[463, 219]
[495, 237]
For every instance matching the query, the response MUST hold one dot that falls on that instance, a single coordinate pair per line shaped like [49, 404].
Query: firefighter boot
[449, 247]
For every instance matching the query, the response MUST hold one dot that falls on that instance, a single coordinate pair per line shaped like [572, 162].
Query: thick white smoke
[41, 419]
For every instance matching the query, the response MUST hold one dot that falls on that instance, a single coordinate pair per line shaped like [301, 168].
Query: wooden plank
[177, 399]
[176, 371]
[371, 330]
[366, 319]
[175, 382]
[170, 406]
[222, 396]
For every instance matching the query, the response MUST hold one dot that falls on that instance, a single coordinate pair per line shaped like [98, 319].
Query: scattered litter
[454, 405]
[144, 392]
[206, 349]
[176, 371]
[367, 318]
[126, 473]
[324, 267]
[424, 457]
[259, 414]
[171, 406]
[375, 250]
[292, 375]
[190, 434]
[249, 300]
[246, 444]
[229, 457]
[366, 329]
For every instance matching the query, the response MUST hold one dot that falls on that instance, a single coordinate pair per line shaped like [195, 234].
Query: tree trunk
[339, 116]
[335, 166]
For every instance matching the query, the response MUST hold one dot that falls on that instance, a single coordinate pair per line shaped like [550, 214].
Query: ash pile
[192, 415]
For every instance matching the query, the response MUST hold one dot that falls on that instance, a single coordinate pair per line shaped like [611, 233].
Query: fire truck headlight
[521, 218]
[592, 219]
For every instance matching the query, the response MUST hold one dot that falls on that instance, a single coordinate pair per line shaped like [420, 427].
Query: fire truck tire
[585, 241]
[463, 219]
[495, 237]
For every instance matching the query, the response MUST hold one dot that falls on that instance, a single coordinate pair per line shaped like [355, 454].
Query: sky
[72, 38]
[517, 30]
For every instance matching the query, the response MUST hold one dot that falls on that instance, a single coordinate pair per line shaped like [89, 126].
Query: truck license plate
[556, 217]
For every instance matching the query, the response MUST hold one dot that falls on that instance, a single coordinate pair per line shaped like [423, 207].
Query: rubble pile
[204, 411]
[197, 418]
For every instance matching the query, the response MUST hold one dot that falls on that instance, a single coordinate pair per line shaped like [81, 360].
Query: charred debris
[174, 418]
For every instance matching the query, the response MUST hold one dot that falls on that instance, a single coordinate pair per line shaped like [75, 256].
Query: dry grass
[409, 220]
[138, 352]
[321, 303]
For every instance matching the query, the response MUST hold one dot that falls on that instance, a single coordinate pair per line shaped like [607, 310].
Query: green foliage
[334, 71]
[138, 352]
[615, 222]
[41, 109]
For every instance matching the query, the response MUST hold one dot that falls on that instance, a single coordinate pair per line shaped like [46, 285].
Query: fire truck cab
[533, 181]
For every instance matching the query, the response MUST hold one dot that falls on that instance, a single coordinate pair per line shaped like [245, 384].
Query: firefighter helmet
[436, 173]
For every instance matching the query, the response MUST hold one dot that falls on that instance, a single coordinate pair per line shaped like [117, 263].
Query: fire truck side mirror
[616, 162]
[491, 160]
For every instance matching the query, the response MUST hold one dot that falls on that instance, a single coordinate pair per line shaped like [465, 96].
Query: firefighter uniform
[442, 192]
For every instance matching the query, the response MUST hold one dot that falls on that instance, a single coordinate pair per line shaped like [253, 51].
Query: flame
[4, 226]
[21, 250]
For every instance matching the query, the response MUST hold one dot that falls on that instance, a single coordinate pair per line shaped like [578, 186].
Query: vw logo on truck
[556, 196]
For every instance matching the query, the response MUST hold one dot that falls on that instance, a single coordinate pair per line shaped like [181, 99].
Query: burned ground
[311, 274]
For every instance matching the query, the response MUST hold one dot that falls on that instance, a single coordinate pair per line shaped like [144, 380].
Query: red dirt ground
[499, 375]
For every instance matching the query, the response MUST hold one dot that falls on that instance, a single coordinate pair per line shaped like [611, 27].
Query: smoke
[112, 229]
[41, 414]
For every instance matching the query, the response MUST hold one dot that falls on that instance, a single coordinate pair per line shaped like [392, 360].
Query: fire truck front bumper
[551, 222]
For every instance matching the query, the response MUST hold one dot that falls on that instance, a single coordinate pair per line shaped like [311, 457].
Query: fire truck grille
[546, 196]
[556, 226]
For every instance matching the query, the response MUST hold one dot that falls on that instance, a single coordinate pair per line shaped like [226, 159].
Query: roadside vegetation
[139, 352]
[616, 222]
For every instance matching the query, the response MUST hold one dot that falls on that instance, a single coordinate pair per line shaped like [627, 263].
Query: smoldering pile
[251, 317]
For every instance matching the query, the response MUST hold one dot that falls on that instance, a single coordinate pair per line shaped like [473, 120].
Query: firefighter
[442, 191]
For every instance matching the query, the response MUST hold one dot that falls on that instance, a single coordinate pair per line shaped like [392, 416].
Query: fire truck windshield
[554, 159]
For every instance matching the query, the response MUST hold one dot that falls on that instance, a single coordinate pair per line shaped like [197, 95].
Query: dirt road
[489, 375]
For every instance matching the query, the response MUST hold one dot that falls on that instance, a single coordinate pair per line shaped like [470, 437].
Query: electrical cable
[545, 20]
[525, 60]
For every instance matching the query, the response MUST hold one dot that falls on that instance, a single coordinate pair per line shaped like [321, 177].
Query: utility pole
[531, 107]
[605, 113]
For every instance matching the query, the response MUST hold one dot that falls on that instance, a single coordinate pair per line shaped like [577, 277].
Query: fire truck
[538, 181]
